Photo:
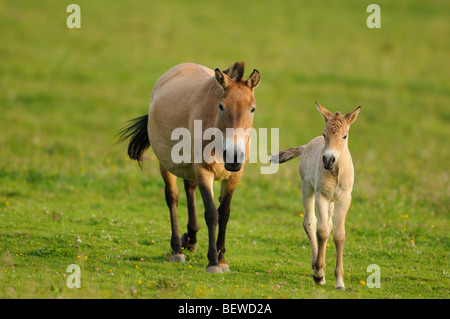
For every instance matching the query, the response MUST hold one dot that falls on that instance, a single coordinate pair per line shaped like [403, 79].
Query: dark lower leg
[171, 194]
[211, 218]
[189, 239]
[224, 214]
[172, 202]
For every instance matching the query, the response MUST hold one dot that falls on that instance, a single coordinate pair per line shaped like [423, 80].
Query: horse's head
[335, 134]
[236, 106]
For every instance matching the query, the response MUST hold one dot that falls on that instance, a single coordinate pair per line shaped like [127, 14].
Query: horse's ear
[351, 117]
[222, 79]
[325, 113]
[253, 80]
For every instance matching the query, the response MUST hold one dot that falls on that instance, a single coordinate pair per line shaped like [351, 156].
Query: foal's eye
[324, 136]
[345, 137]
[253, 109]
[221, 106]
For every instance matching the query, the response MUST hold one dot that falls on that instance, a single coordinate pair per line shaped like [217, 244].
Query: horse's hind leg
[189, 239]
[171, 192]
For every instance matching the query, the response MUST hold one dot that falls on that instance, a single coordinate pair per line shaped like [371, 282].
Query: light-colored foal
[326, 169]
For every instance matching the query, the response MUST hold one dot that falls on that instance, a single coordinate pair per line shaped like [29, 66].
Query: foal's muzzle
[328, 162]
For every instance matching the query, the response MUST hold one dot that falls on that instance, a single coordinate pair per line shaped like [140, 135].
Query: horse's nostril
[324, 159]
[332, 160]
[241, 157]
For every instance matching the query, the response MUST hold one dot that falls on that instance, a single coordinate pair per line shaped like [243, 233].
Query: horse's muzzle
[234, 164]
[233, 167]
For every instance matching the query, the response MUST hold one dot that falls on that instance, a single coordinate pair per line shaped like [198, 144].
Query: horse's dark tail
[287, 154]
[135, 132]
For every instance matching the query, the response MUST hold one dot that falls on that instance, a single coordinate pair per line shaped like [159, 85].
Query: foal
[326, 170]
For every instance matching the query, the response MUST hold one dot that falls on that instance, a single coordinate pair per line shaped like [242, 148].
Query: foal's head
[236, 106]
[335, 134]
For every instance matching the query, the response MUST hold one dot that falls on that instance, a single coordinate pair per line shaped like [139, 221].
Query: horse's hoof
[177, 258]
[341, 288]
[214, 269]
[225, 267]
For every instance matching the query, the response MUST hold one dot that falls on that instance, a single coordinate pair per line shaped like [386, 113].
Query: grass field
[68, 195]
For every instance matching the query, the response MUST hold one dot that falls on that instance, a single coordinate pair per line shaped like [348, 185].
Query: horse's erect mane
[236, 71]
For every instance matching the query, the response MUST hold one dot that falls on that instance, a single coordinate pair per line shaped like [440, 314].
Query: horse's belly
[167, 152]
[182, 170]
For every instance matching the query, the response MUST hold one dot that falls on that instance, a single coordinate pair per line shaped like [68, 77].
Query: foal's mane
[236, 71]
[336, 122]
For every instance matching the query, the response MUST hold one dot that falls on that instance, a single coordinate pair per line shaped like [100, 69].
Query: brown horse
[326, 170]
[189, 94]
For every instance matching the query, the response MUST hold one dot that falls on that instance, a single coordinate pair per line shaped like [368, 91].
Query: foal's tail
[287, 154]
[136, 133]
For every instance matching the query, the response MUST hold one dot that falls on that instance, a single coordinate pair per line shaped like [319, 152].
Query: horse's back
[179, 97]
[181, 78]
[180, 87]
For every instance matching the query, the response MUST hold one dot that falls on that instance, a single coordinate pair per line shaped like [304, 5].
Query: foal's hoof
[177, 258]
[186, 242]
[319, 281]
[214, 269]
[341, 288]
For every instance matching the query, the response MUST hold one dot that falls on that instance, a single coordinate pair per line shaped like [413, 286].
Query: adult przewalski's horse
[326, 170]
[224, 100]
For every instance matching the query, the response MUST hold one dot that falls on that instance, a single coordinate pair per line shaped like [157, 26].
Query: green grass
[69, 195]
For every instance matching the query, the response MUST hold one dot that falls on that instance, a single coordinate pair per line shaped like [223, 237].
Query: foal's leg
[189, 239]
[310, 220]
[330, 215]
[342, 207]
[205, 181]
[171, 192]
[226, 192]
[323, 232]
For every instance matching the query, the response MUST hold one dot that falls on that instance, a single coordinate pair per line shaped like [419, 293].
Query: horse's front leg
[226, 193]
[205, 180]
[341, 210]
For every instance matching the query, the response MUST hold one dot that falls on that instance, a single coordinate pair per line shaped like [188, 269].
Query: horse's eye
[252, 110]
[324, 136]
[221, 106]
[345, 136]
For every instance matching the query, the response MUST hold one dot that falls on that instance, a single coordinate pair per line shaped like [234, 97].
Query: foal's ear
[351, 117]
[222, 79]
[253, 80]
[325, 113]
